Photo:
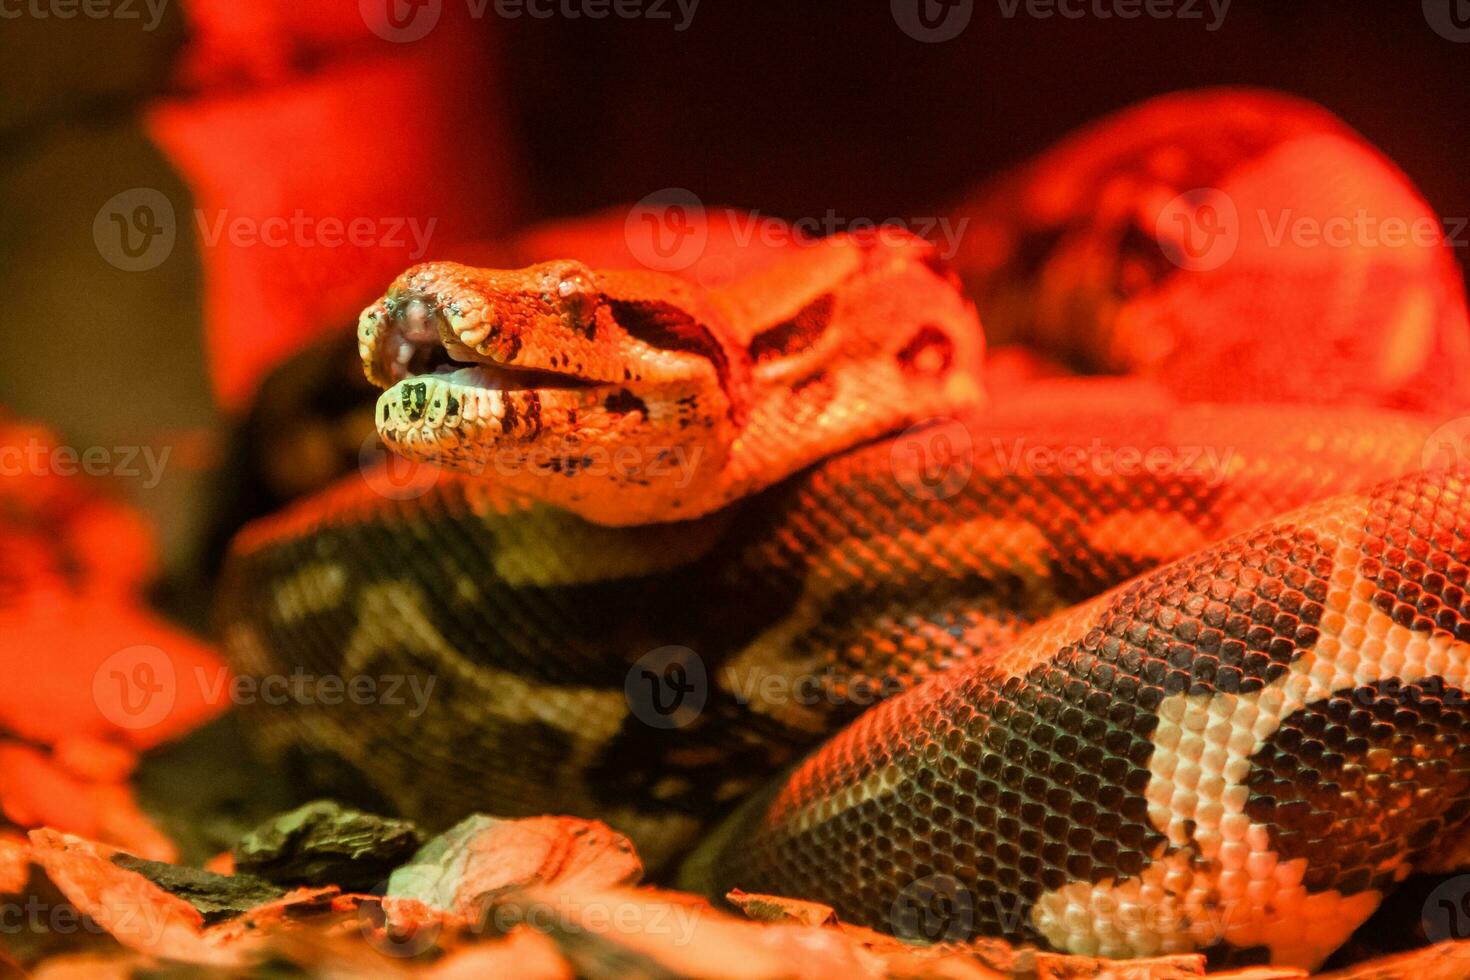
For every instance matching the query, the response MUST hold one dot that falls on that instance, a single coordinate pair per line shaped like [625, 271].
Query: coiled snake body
[1251, 743]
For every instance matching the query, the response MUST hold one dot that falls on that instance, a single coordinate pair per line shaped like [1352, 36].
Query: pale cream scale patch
[392, 620]
[544, 547]
[313, 588]
[1237, 889]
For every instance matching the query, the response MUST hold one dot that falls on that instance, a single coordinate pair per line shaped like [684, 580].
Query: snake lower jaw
[612, 454]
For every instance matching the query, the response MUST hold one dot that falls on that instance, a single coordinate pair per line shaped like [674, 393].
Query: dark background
[796, 109]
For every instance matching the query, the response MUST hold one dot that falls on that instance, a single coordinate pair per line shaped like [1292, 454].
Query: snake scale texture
[1168, 662]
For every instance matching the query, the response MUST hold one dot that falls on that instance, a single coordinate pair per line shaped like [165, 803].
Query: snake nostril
[417, 322]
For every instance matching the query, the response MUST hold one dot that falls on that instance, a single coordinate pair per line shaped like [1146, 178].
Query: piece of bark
[216, 897]
[482, 857]
[325, 843]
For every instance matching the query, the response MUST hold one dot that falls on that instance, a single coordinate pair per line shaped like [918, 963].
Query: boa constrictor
[681, 536]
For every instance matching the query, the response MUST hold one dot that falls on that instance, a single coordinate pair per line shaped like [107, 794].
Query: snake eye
[578, 297]
[929, 352]
[1141, 262]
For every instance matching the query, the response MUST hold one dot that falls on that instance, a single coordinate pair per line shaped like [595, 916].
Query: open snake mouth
[414, 341]
[475, 357]
[420, 352]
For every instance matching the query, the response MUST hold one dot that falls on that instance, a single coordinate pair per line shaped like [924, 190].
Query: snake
[763, 571]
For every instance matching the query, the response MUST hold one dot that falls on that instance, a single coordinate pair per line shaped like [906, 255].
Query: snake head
[615, 395]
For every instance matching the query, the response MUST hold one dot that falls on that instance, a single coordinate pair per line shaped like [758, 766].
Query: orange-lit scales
[1244, 750]
[1241, 748]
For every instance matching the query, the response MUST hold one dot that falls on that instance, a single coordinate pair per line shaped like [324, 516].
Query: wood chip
[774, 908]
